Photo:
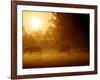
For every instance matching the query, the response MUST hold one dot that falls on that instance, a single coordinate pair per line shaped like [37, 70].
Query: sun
[35, 23]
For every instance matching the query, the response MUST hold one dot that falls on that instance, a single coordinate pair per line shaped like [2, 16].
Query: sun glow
[36, 23]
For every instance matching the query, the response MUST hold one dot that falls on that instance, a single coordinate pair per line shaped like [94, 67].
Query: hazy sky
[63, 28]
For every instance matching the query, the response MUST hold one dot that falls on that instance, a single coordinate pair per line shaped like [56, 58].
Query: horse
[33, 50]
[65, 49]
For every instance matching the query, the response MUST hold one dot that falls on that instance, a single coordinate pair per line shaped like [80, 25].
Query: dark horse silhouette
[64, 49]
[33, 50]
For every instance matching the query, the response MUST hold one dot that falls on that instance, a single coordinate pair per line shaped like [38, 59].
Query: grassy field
[52, 58]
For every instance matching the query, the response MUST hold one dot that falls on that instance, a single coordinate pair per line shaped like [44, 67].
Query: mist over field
[55, 39]
[52, 58]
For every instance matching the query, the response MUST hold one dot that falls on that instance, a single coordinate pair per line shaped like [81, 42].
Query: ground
[54, 59]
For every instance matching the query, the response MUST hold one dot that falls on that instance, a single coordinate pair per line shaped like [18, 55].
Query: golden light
[36, 23]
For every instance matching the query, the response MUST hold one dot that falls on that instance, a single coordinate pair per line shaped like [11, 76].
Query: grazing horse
[33, 50]
[64, 49]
